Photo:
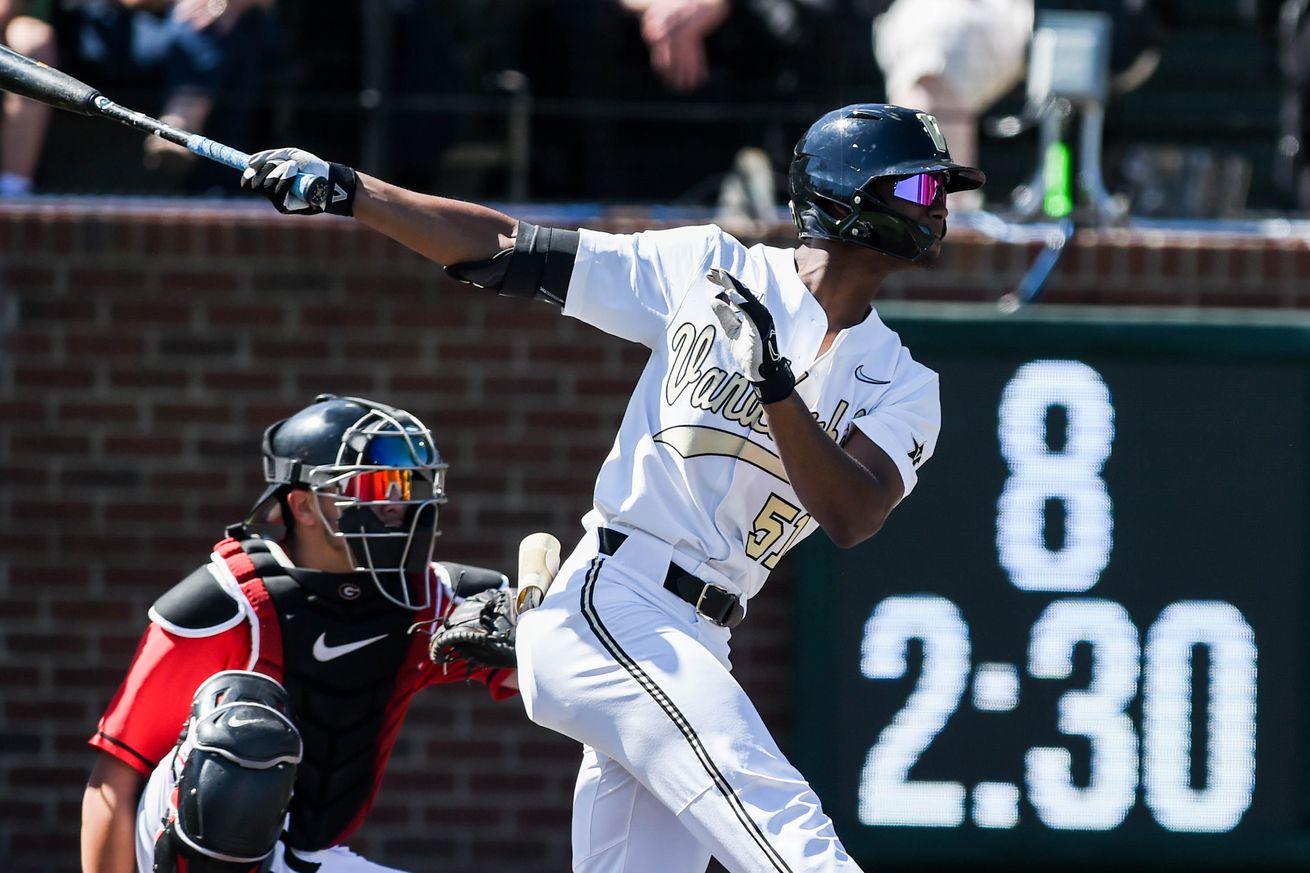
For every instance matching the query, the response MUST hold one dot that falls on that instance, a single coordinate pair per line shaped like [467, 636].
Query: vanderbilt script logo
[710, 389]
[730, 395]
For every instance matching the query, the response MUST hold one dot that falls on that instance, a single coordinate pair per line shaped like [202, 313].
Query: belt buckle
[705, 590]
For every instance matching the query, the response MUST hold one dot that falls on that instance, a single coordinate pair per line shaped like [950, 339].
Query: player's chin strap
[538, 267]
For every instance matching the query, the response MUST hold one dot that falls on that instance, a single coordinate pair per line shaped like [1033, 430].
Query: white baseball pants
[677, 764]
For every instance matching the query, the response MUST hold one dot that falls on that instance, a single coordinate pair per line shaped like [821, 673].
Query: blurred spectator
[1295, 55]
[953, 59]
[198, 59]
[794, 43]
[23, 122]
[679, 86]
[676, 31]
[1286, 27]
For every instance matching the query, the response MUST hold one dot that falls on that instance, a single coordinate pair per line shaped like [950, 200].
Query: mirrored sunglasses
[923, 188]
[388, 485]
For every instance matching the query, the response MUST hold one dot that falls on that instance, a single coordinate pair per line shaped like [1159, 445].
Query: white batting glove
[273, 172]
[751, 336]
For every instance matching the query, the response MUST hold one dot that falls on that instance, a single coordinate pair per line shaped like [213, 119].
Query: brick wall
[143, 347]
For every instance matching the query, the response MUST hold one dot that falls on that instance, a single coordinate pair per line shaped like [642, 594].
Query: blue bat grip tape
[238, 160]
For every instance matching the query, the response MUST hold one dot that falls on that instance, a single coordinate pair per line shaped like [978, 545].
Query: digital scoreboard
[1083, 639]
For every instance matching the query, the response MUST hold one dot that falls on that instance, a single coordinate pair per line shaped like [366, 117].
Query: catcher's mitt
[478, 632]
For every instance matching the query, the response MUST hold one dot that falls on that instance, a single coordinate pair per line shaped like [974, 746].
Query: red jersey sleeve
[493, 677]
[146, 714]
[496, 684]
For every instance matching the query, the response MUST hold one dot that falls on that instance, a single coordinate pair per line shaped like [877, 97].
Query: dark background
[1208, 483]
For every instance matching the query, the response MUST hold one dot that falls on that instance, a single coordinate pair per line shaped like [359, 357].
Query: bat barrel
[21, 75]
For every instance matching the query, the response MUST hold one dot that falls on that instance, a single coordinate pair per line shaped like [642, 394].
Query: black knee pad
[174, 856]
[240, 753]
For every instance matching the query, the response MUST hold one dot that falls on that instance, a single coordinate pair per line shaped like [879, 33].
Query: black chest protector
[343, 648]
[343, 645]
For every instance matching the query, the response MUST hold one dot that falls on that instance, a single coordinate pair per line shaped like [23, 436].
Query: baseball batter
[774, 402]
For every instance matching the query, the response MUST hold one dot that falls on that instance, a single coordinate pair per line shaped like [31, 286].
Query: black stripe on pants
[670, 709]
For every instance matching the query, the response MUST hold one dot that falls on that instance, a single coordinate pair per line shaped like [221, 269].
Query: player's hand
[676, 31]
[222, 15]
[272, 173]
[754, 342]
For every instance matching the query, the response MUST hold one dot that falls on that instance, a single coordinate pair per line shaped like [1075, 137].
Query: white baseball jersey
[677, 764]
[693, 463]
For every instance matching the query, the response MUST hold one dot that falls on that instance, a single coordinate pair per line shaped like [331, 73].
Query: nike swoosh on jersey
[324, 652]
[860, 374]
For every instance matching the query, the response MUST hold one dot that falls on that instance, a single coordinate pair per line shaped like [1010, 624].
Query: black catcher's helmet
[847, 149]
[367, 458]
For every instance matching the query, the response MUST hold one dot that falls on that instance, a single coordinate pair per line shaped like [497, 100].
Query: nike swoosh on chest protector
[324, 652]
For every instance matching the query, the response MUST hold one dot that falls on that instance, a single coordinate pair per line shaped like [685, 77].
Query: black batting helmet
[362, 456]
[847, 149]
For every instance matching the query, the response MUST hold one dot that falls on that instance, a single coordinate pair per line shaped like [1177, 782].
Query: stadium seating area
[1216, 94]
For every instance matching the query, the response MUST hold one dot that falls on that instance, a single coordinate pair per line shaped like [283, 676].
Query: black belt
[719, 605]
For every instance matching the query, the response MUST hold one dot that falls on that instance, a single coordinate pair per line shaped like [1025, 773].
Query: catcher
[289, 664]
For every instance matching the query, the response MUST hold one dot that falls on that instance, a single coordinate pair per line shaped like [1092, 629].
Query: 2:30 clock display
[1082, 632]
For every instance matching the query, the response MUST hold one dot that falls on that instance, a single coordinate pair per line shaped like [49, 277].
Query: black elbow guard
[538, 267]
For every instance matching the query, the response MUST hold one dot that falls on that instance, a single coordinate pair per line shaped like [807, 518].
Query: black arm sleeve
[538, 267]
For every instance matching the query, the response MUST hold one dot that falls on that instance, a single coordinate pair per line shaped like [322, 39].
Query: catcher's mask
[840, 156]
[380, 468]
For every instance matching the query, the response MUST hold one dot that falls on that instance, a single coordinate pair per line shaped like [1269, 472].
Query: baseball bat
[538, 564]
[21, 75]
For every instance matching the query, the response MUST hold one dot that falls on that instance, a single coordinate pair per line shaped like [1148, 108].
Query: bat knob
[316, 191]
